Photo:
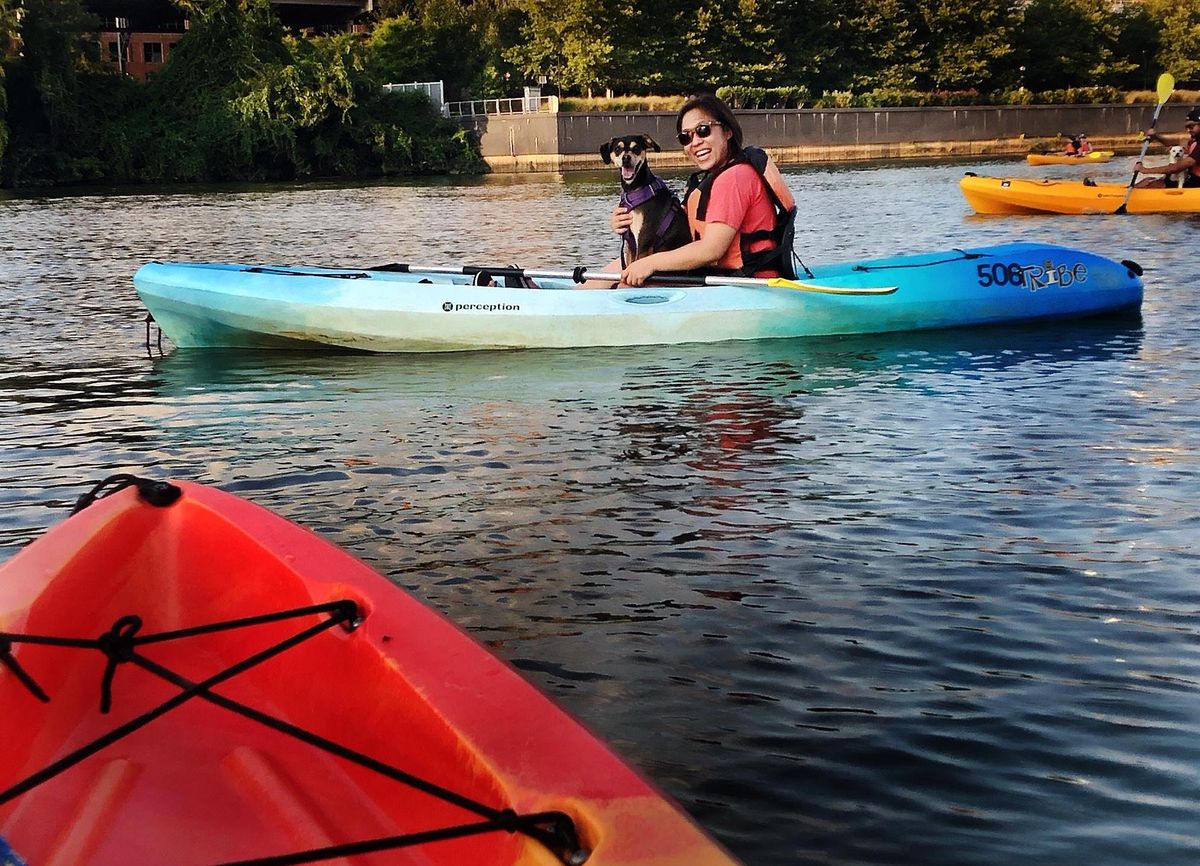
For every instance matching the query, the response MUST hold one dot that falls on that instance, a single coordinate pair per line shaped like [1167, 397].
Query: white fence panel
[517, 105]
[433, 89]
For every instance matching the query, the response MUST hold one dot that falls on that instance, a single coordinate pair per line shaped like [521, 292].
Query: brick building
[137, 36]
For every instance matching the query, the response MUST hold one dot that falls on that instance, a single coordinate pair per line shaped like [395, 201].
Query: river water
[924, 597]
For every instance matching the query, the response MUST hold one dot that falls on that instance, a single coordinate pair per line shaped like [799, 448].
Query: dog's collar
[638, 197]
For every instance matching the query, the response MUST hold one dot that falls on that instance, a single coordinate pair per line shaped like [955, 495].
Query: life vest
[637, 198]
[1192, 149]
[739, 258]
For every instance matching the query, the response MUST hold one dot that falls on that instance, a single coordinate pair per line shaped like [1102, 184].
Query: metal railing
[517, 105]
[433, 89]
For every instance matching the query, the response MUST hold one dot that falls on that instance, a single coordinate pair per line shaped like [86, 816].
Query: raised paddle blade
[780, 283]
[1164, 89]
[1166, 85]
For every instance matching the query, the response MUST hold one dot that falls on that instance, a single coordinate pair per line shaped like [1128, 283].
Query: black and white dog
[659, 222]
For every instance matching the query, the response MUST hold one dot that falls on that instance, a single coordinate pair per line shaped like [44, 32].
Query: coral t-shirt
[739, 200]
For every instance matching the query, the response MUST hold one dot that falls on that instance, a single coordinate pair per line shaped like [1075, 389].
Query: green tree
[816, 37]
[456, 32]
[9, 36]
[238, 100]
[400, 50]
[653, 53]
[735, 42]
[43, 87]
[260, 104]
[568, 41]
[1054, 61]
[298, 109]
[456, 42]
[1179, 28]
[968, 42]
[1139, 43]
[497, 24]
[887, 48]
[193, 130]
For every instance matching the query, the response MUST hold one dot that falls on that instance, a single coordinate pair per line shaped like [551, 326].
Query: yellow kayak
[1096, 156]
[1005, 195]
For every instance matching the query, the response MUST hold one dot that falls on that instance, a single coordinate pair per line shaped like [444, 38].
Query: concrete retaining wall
[561, 142]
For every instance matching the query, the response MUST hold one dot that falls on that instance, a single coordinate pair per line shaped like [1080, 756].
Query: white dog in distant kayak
[1178, 177]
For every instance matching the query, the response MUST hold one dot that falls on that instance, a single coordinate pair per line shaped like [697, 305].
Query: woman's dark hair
[720, 111]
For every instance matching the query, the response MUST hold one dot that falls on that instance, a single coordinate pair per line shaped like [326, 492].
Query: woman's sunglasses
[702, 130]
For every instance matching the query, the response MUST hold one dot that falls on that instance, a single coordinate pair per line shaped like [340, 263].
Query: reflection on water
[851, 600]
[537, 375]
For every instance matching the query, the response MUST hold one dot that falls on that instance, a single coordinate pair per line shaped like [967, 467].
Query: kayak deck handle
[156, 493]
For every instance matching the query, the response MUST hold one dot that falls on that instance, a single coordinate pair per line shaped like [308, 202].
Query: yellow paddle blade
[1166, 84]
[781, 283]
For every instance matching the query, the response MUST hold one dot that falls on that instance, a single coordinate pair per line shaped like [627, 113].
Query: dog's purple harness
[639, 197]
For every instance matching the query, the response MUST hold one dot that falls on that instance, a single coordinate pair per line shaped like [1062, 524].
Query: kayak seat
[71, 836]
[519, 280]
[279, 798]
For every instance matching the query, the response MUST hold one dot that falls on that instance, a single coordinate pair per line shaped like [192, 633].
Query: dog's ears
[652, 144]
[606, 151]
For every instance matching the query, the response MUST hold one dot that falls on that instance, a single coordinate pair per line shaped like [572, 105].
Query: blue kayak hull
[230, 305]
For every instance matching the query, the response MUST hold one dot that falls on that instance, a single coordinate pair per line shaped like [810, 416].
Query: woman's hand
[698, 254]
[621, 219]
[636, 273]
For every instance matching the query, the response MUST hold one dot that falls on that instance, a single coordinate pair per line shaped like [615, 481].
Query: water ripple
[852, 600]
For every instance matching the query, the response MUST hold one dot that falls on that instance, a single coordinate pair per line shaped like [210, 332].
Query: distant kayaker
[1189, 162]
[1079, 146]
[740, 210]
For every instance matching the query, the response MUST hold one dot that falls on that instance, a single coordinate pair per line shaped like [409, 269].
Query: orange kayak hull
[202, 785]
[996, 195]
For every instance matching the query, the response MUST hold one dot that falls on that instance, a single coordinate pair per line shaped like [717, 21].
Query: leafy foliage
[458, 42]
[400, 50]
[566, 40]
[764, 97]
[1054, 60]
[621, 103]
[841, 46]
[9, 33]
[1179, 38]
[966, 42]
[239, 100]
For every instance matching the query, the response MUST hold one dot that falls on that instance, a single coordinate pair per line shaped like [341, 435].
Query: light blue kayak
[411, 309]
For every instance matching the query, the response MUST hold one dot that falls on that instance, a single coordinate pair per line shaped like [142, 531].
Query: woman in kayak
[1189, 162]
[735, 209]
